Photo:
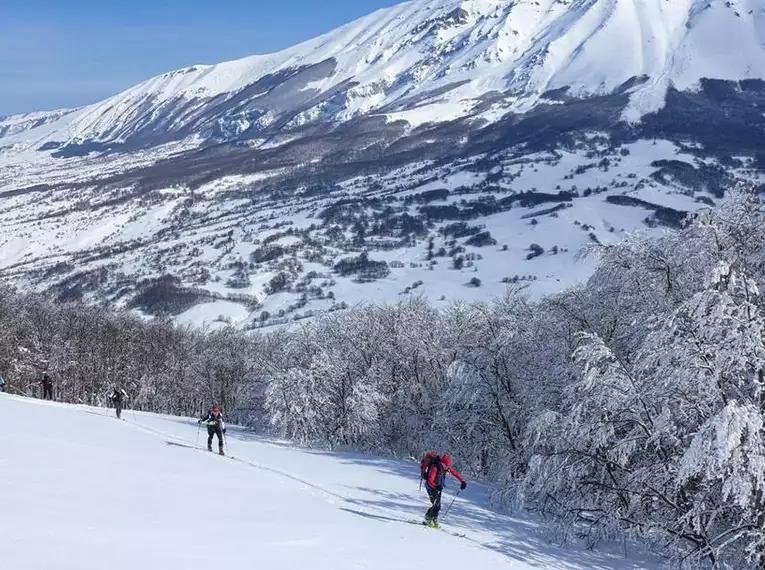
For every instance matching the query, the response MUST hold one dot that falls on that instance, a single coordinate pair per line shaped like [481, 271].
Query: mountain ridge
[393, 62]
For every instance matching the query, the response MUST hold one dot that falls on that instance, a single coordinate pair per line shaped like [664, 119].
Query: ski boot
[220, 451]
[433, 523]
[209, 448]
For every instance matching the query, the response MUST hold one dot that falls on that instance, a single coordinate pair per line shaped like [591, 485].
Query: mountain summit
[427, 60]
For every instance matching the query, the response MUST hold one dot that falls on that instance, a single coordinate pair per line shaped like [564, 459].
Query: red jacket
[435, 479]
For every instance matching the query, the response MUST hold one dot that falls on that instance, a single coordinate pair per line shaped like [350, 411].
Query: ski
[442, 529]
[450, 532]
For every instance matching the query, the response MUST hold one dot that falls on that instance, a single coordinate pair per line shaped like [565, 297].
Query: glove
[439, 488]
[224, 430]
[199, 422]
[463, 485]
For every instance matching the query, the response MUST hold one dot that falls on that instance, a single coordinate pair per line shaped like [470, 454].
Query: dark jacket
[118, 395]
[213, 422]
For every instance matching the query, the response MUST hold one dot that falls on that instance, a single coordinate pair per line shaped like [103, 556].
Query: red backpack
[432, 458]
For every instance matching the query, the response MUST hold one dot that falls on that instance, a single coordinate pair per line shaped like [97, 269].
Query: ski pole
[199, 427]
[450, 504]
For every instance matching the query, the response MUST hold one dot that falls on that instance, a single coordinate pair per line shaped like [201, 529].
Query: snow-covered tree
[667, 445]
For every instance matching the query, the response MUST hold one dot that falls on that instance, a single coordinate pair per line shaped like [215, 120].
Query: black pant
[47, 392]
[118, 408]
[435, 500]
[211, 431]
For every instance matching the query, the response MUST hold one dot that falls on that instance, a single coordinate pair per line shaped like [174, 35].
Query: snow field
[84, 491]
[46, 228]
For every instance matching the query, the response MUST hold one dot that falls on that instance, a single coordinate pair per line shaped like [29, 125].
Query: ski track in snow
[97, 492]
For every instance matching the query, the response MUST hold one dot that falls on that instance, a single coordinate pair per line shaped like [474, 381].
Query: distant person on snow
[433, 470]
[215, 426]
[118, 397]
[47, 385]
[2, 384]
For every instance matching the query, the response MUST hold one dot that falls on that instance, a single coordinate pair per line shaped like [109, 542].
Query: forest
[631, 406]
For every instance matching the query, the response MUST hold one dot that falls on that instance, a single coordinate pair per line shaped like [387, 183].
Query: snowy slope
[17, 124]
[428, 60]
[99, 246]
[83, 491]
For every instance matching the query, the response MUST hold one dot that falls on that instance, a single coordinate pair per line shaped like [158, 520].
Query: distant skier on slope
[118, 397]
[433, 470]
[215, 426]
[47, 385]
[2, 384]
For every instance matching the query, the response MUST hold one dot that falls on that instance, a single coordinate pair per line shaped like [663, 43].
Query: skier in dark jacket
[47, 385]
[2, 384]
[433, 470]
[215, 426]
[118, 397]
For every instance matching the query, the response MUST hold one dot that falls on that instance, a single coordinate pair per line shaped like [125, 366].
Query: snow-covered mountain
[435, 60]
[17, 124]
[538, 126]
[94, 487]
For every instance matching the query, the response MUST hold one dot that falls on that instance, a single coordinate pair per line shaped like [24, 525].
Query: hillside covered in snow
[97, 491]
[626, 409]
[446, 148]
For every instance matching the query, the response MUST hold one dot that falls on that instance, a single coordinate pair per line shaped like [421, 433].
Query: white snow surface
[522, 47]
[15, 124]
[82, 490]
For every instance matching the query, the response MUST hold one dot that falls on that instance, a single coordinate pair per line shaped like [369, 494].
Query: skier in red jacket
[433, 469]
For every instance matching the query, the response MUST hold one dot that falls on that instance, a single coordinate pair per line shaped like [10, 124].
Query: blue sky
[65, 53]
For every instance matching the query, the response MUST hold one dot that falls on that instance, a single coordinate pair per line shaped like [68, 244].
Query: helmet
[446, 460]
[216, 410]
